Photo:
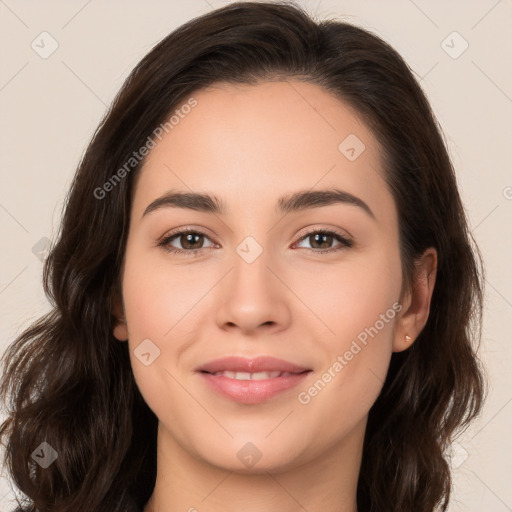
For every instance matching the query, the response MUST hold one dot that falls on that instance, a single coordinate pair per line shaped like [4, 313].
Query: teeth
[251, 376]
[265, 375]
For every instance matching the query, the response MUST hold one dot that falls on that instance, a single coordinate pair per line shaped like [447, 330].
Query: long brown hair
[69, 381]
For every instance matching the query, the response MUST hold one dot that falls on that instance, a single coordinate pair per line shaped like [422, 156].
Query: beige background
[50, 108]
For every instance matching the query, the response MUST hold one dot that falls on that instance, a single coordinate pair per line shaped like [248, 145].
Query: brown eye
[191, 241]
[321, 241]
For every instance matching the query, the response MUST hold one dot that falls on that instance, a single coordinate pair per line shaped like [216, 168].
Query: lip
[257, 364]
[251, 391]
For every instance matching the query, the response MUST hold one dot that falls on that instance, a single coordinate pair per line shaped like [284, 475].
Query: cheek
[161, 305]
[157, 297]
[356, 364]
[354, 295]
[154, 306]
[360, 311]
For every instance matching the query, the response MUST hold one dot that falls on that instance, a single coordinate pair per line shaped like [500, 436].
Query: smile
[251, 376]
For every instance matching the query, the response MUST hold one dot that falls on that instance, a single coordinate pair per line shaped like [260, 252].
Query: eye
[189, 238]
[192, 240]
[325, 238]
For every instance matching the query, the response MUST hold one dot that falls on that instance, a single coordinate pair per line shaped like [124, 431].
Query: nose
[253, 296]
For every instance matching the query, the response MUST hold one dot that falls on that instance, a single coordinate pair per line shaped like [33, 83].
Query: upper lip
[257, 364]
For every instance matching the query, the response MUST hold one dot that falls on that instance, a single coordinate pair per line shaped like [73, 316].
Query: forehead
[253, 143]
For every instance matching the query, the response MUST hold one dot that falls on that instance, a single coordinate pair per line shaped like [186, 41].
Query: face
[316, 285]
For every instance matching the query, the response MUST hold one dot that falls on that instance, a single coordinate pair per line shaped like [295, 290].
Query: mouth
[251, 381]
[252, 376]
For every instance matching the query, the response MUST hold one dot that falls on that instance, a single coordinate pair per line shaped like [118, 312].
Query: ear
[120, 325]
[416, 301]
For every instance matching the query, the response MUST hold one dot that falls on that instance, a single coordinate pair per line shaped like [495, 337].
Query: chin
[258, 456]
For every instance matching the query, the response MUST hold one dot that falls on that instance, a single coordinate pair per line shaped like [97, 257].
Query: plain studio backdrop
[62, 62]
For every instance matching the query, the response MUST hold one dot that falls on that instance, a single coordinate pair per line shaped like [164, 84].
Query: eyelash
[164, 243]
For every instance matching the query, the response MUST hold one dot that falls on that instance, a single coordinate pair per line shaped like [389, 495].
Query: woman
[200, 356]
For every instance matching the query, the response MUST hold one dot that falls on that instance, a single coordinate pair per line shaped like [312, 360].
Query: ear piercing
[407, 338]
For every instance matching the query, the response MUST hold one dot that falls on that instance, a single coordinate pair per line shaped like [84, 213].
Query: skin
[250, 145]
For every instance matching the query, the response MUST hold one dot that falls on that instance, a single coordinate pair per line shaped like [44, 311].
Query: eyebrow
[295, 202]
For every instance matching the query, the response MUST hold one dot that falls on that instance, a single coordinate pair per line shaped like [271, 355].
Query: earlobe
[121, 328]
[402, 344]
[415, 315]
[121, 331]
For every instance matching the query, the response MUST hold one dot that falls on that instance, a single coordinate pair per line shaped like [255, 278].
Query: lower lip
[252, 391]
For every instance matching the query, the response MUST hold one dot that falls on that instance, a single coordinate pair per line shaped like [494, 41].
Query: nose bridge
[251, 277]
[252, 295]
